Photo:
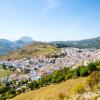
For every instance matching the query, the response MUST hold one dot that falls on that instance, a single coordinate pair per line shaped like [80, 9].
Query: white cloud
[50, 5]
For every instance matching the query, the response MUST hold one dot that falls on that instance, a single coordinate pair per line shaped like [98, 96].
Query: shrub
[97, 63]
[10, 93]
[2, 89]
[76, 72]
[3, 66]
[33, 85]
[84, 71]
[98, 67]
[72, 73]
[45, 80]
[68, 76]
[79, 88]
[23, 89]
[58, 76]
[94, 79]
[61, 96]
[92, 66]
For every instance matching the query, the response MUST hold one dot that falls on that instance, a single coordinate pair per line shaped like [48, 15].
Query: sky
[50, 20]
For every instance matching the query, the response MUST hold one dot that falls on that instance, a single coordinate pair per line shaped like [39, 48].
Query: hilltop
[33, 50]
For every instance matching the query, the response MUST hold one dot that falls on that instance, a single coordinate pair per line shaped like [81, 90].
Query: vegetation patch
[5, 72]
[94, 79]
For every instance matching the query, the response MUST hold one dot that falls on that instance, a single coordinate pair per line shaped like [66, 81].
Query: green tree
[3, 66]
[58, 76]
[84, 71]
[92, 66]
[33, 85]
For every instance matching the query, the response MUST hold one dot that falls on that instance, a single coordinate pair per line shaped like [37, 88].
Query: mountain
[26, 39]
[88, 43]
[7, 46]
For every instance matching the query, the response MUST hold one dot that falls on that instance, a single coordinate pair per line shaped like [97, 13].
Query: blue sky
[50, 20]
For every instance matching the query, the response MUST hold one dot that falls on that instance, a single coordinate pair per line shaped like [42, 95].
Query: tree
[84, 71]
[3, 66]
[33, 85]
[92, 66]
[2, 89]
[58, 76]
[45, 80]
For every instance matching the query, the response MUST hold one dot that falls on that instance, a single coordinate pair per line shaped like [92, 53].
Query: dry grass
[60, 91]
[5, 72]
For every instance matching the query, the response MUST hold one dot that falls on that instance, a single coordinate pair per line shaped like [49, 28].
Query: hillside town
[34, 68]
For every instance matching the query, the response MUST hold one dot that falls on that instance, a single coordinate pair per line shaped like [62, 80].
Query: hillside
[32, 50]
[88, 43]
[61, 91]
[59, 85]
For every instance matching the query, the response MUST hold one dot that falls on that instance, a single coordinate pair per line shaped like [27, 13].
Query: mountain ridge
[7, 46]
[87, 43]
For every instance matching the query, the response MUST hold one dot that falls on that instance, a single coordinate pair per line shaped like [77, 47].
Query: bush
[79, 88]
[68, 76]
[2, 89]
[98, 67]
[45, 80]
[94, 79]
[10, 93]
[61, 96]
[92, 66]
[3, 66]
[33, 85]
[58, 76]
[76, 72]
[84, 71]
